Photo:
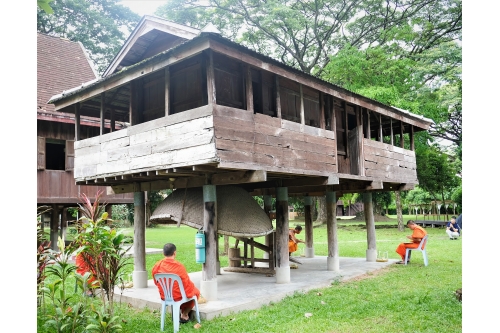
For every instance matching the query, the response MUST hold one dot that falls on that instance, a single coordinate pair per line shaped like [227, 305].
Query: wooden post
[309, 253]
[54, 226]
[380, 129]
[77, 121]
[249, 88]
[282, 256]
[211, 79]
[112, 121]
[131, 105]
[332, 261]
[302, 115]
[167, 91]
[139, 275]
[278, 100]
[392, 134]
[412, 138]
[361, 152]
[401, 134]
[371, 252]
[208, 283]
[368, 129]
[322, 122]
[102, 124]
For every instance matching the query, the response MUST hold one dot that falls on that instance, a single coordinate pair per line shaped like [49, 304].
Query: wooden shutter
[70, 155]
[41, 153]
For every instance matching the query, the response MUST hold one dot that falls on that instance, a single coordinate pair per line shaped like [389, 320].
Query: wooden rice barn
[203, 112]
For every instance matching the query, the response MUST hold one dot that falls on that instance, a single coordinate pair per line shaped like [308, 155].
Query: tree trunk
[399, 210]
[321, 210]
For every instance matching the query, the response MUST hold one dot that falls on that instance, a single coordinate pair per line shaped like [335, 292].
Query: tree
[435, 172]
[45, 5]
[100, 25]
[305, 34]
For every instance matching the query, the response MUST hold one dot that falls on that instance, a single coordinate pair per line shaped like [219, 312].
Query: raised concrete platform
[247, 291]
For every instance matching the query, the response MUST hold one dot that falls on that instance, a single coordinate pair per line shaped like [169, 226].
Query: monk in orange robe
[292, 240]
[416, 238]
[82, 268]
[170, 265]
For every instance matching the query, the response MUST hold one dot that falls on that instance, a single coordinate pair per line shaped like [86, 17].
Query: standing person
[292, 240]
[170, 265]
[452, 228]
[415, 237]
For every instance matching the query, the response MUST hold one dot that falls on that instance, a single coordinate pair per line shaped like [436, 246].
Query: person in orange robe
[170, 265]
[292, 240]
[416, 237]
[82, 268]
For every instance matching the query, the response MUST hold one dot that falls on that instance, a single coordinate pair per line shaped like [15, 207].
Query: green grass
[398, 298]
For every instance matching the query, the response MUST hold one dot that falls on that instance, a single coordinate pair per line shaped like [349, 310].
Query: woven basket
[238, 214]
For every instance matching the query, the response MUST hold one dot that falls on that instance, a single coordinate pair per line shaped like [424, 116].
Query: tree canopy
[305, 34]
[100, 25]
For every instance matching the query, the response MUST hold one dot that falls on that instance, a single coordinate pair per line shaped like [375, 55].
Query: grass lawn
[398, 298]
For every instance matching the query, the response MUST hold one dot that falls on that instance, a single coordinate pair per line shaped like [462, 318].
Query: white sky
[143, 7]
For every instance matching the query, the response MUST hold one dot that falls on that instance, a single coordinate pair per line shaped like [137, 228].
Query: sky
[143, 7]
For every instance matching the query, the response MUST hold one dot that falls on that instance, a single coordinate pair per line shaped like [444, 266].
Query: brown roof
[61, 65]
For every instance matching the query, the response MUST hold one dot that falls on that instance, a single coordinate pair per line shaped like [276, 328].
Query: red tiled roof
[61, 65]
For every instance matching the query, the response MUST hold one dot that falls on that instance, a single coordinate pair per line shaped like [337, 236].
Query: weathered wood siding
[260, 142]
[58, 186]
[389, 163]
[181, 139]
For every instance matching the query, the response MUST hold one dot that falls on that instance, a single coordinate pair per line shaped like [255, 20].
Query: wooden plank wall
[260, 142]
[181, 139]
[58, 186]
[389, 163]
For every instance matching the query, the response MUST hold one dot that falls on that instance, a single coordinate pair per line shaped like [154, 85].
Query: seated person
[170, 265]
[415, 237]
[292, 240]
[452, 229]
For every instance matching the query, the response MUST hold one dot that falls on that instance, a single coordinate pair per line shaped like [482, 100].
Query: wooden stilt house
[203, 111]
[62, 64]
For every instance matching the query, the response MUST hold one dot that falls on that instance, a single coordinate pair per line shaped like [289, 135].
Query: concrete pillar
[371, 252]
[332, 261]
[208, 283]
[282, 257]
[309, 227]
[139, 275]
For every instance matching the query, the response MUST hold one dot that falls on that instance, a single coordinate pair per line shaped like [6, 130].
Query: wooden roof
[61, 65]
[151, 36]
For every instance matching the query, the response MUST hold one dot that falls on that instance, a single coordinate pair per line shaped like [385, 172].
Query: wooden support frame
[401, 134]
[77, 121]
[167, 90]
[102, 112]
[249, 89]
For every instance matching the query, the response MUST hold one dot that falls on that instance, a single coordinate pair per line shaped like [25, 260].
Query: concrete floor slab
[247, 291]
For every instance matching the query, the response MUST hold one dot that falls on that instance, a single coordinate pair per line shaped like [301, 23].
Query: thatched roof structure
[238, 214]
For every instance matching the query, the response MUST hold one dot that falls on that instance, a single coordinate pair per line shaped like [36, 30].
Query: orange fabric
[418, 232]
[292, 246]
[82, 268]
[169, 265]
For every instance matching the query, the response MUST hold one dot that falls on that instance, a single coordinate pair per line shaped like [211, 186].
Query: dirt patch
[371, 275]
